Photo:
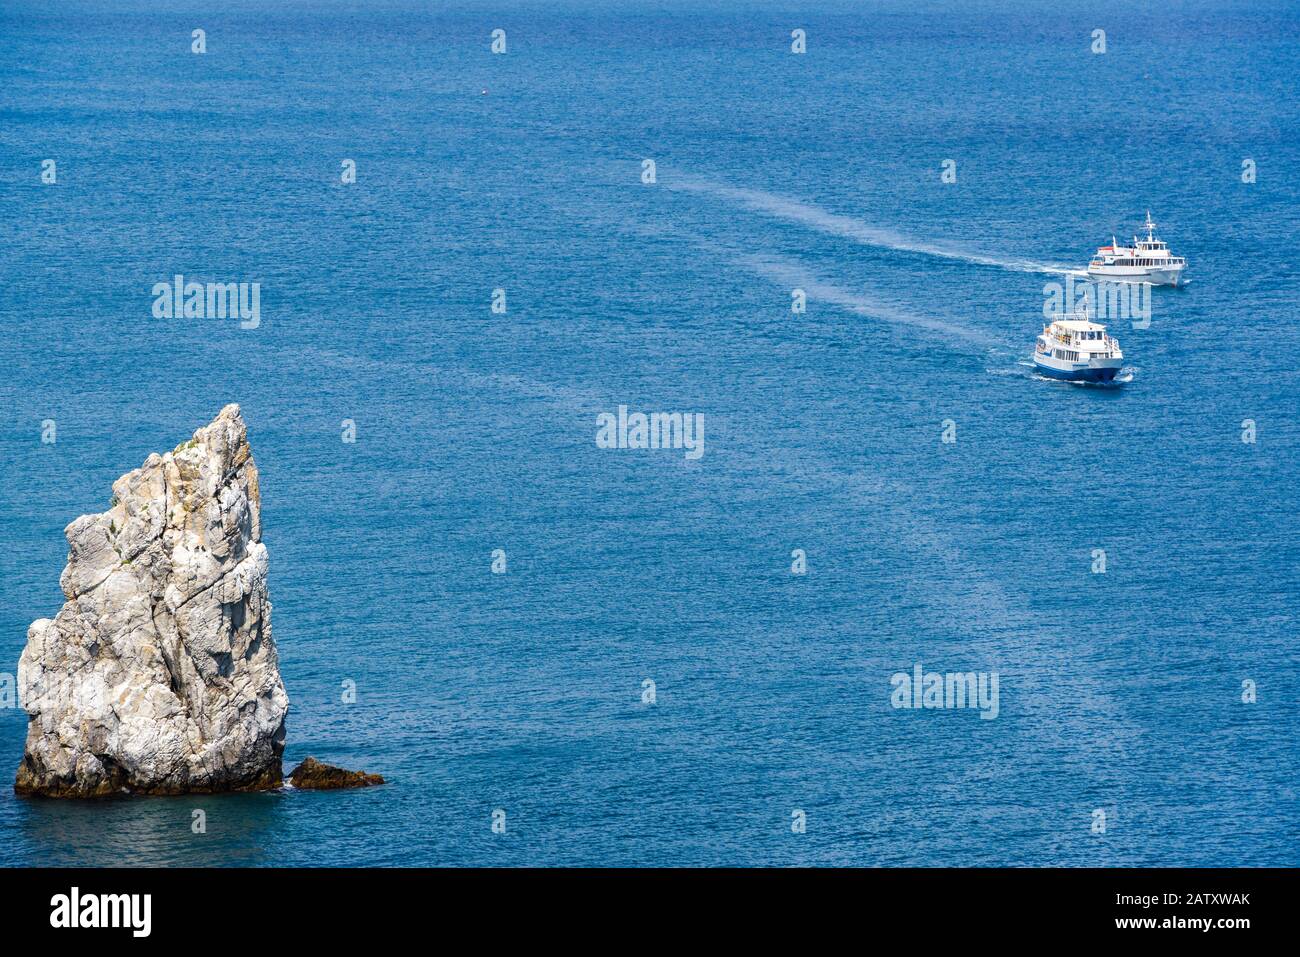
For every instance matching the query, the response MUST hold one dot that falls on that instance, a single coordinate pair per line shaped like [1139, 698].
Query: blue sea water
[1120, 692]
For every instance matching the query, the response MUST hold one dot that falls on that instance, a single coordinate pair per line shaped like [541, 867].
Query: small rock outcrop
[159, 675]
[312, 775]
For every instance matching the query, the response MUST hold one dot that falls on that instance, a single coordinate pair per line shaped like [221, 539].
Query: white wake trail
[791, 275]
[814, 217]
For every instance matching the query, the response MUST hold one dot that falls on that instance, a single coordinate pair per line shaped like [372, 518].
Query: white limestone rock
[159, 675]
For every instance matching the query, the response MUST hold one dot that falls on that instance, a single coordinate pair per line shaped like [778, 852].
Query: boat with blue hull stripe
[1081, 375]
[1077, 350]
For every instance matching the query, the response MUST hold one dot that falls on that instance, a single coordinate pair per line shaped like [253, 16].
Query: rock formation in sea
[312, 775]
[159, 675]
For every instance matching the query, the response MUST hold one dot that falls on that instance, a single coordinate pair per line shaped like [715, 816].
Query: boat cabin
[1079, 335]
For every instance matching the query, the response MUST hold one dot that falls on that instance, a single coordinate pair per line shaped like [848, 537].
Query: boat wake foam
[792, 275]
[814, 217]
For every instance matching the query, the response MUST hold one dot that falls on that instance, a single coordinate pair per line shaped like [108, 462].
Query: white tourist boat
[1147, 260]
[1077, 350]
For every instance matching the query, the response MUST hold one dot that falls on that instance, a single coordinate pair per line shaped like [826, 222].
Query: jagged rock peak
[159, 675]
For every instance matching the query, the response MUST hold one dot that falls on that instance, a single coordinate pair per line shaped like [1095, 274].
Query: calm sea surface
[1119, 692]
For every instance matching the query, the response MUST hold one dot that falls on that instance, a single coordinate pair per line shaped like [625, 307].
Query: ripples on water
[476, 431]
